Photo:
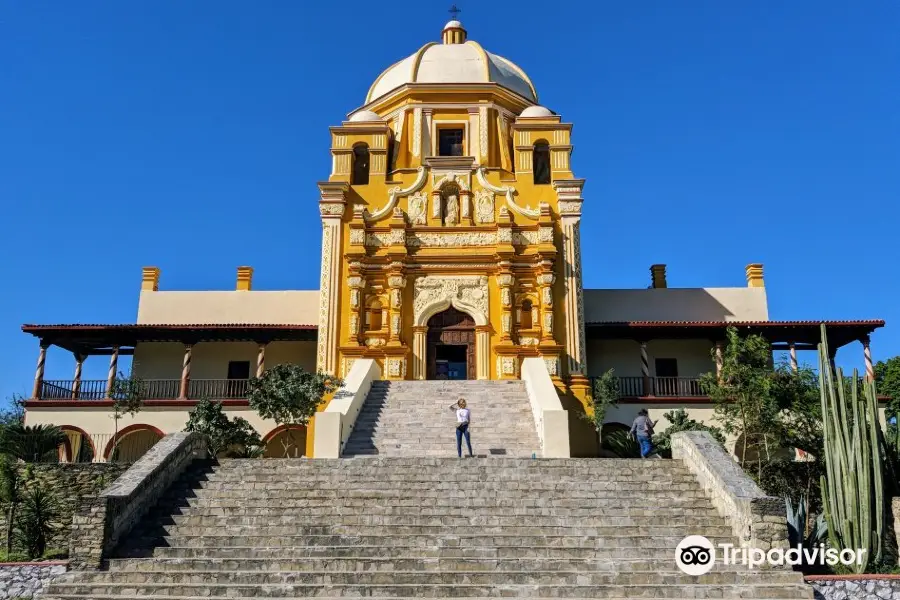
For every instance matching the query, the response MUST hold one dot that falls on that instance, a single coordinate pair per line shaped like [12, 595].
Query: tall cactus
[852, 490]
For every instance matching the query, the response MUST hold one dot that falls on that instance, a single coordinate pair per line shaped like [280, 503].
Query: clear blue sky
[191, 135]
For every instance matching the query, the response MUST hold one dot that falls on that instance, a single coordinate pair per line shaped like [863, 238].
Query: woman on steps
[463, 415]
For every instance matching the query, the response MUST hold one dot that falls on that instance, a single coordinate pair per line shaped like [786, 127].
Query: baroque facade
[450, 250]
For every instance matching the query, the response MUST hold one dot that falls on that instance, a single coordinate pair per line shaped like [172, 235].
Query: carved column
[39, 372]
[331, 208]
[185, 372]
[261, 360]
[113, 369]
[720, 358]
[420, 348]
[505, 281]
[79, 365]
[396, 284]
[570, 200]
[545, 283]
[357, 301]
[482, 351]
[794, 365]
[867, 357]
[645, 371]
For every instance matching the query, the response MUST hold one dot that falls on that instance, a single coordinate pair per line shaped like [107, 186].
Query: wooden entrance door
[450, 328]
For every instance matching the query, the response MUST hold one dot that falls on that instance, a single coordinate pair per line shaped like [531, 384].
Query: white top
[462, 415]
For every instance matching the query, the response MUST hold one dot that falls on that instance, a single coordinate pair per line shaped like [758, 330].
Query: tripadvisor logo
[696, 555]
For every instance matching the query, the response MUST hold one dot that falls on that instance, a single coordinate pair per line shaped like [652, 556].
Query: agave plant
[797, 522]
[32, 443]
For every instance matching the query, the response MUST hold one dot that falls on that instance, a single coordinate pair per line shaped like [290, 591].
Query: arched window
[541, 163]
[373, 316]
[525, 321]
[360, 165]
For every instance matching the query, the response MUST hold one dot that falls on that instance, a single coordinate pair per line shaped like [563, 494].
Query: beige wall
[676, 304]
[300, 307]
[624, 356]
[209, 360]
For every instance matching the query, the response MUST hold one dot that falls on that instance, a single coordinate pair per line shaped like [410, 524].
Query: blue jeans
[646, 446]
[460, 432]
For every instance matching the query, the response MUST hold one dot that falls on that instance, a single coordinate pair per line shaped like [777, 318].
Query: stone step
[476, 477]
[445, 530]
[362, 552]
[423, 505]
[693, 590]
[470, 520]
[425, 510]
[435, 577]
[624, 539]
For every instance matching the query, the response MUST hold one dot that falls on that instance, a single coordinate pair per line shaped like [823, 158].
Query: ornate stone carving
[355, 281]
[523, 238]
[357, 236]
[354, 324]
[545, 235]
[546, 278]
[529, 341]
[374, 342]
[324, 295]
[451, 240]
[505, 296]
[331, 209]
[458, 179]
[395, 323]
[484, 206]
[417, 208]
[395, 298]
[346, 365]
[505, 279]
[552, 365]
[417, 131]
[354, 298]
[509, 191]
[464, 292]
[396, 192]
[377, 240]
[507, 365]
[452, 216]
[570, 207]
[398, 236]
[547, 296]
[396, 367]
[506, 321]
[548, 323]
[504, 235]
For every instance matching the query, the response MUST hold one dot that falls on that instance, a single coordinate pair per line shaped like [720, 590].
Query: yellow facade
[474, 231]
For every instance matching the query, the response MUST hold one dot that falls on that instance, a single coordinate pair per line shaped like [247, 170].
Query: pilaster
[332, 204]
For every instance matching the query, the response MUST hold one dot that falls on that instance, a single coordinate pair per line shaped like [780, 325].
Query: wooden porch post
[76, 384]
[185, 372]
[261, 360]
[39, 373]
[113, 370]
[795, 366]
[645, 370]
[867, 356]
[720, 358]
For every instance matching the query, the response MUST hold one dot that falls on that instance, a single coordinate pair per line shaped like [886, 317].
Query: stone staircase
[413, 419]
[425, 528]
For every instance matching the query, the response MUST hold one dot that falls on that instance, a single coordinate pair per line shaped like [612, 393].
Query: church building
[450, 250]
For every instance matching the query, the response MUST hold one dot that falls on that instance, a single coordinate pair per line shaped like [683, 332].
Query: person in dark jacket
[642, 429]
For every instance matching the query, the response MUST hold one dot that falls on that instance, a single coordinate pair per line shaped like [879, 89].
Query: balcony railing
[154, 389]
[672, 387]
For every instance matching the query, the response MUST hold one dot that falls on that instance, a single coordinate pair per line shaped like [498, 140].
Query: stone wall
[68, 482]
[861, 587]
[102, 521]
[758, 520]
[27, 580]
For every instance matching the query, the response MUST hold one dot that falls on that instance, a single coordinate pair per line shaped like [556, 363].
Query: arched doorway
[451, 345]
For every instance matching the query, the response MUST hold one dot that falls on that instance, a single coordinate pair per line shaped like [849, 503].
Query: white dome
[365, 115]
[454, 24]
[453, 63]
[537, 111]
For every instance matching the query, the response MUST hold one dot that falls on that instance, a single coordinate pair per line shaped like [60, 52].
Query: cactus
[852, 489]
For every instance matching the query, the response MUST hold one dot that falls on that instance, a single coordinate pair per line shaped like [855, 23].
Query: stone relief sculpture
[451, 216]
[417, 208]
[464, 292]
[484, 206]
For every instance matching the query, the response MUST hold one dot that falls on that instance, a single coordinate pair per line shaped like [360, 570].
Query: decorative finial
[455, 12]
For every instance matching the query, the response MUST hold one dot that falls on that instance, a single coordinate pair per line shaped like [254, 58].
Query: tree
[745, 398]
[15, 414]
[604, 394]
[680, 421]
[235, 437]
[32, 443]
[887, 380]
[290, 395]
[127, 393]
